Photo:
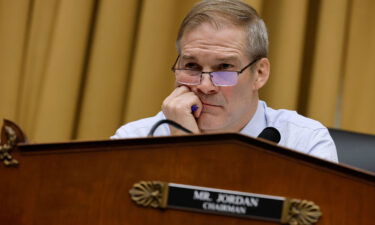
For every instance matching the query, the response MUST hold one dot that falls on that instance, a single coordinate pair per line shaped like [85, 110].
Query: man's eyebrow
[188, 57]
[227, 58]
[220, 59]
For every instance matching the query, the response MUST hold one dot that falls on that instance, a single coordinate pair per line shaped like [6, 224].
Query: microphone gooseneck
[170, 122]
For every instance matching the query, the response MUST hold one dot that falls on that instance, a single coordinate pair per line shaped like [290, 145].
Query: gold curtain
[78, 69]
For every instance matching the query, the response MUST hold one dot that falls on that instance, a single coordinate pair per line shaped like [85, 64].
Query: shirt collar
[257, 123]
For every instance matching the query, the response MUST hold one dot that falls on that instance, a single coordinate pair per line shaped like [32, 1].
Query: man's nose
[207, 86]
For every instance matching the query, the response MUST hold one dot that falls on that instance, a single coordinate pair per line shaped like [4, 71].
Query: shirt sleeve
[141, 128]
[322, 145]
[122, 132]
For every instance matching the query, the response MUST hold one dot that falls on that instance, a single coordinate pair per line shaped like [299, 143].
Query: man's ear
[262, 73]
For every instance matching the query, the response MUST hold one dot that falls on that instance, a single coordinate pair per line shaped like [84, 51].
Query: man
[222, 64]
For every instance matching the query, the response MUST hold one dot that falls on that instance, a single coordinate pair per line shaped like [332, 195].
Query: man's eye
[192, 66]
[225, 66]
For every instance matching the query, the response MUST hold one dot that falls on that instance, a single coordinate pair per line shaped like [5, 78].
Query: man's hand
[177, 107]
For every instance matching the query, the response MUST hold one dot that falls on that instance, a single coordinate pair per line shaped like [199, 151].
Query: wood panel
[88, 182]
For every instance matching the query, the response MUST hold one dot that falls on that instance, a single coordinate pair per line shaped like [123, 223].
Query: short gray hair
[229, 12]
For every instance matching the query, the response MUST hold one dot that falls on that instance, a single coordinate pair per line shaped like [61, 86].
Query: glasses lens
[189, 77]
[224, 78]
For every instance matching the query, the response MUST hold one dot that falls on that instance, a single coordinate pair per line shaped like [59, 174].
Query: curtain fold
[286, 22]
[63, 74]
[151, 78]
[79, 69]
[54, 61]
[14, 17]
[358, 108]
[35, 60]
[104, 91]
[325, 86]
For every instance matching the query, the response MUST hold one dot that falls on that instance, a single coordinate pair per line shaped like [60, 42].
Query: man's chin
[210, 124]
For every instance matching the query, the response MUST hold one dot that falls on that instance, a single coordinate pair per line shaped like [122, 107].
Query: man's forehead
[215, 57]
[239, 31]
[228, 42]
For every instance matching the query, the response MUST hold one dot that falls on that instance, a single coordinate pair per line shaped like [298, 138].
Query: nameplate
[225, 202]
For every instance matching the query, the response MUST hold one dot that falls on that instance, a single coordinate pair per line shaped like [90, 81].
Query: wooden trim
[193, 140]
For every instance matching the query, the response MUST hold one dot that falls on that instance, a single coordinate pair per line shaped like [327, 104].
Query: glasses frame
[210, 73]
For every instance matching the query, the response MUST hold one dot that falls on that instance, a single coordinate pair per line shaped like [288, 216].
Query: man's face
[225, 109]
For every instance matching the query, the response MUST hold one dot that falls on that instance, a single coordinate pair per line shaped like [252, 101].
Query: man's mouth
[210, 104]
[209, 107]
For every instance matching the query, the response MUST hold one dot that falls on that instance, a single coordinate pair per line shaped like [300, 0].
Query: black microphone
[270, 134]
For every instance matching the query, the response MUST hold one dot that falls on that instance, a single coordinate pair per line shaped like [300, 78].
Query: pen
[194, 108]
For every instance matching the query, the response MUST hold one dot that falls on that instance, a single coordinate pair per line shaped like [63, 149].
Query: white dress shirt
[297, 132]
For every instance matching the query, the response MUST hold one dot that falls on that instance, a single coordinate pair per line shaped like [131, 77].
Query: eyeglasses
[218, 78]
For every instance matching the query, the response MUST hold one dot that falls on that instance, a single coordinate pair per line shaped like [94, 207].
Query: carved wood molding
[11, 135]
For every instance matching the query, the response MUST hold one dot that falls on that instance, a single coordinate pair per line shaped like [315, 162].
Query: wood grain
[88, 182]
